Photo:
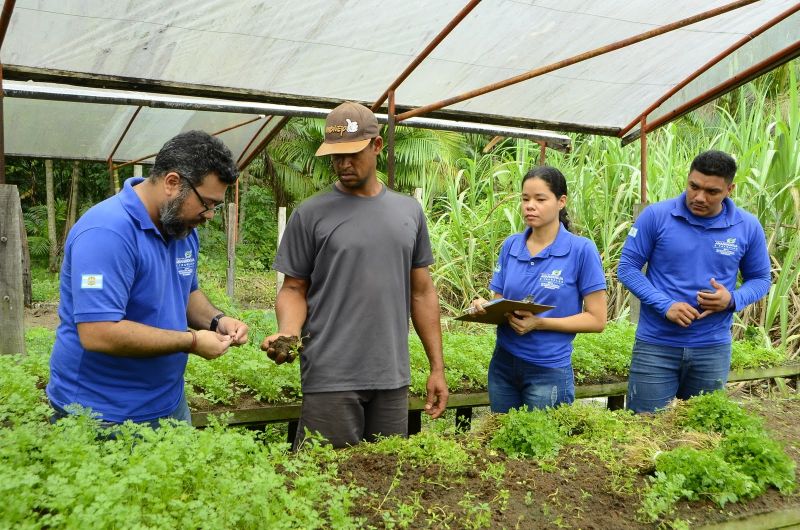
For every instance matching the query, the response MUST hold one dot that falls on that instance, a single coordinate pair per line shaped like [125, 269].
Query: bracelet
[215, 322]
[194, 341]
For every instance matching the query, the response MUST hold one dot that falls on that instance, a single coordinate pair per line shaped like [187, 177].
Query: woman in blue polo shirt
[532, 362]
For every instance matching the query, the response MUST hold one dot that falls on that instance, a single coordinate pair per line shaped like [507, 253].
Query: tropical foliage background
[470, 194]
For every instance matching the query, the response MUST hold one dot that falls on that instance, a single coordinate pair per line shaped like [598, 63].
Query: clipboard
[497, 309]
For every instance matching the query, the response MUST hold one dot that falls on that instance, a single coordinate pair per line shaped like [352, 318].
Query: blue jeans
[514, 382]
[181, 413]
[661, 373]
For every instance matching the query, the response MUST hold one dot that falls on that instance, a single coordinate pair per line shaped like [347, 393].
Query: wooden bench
[464, 403]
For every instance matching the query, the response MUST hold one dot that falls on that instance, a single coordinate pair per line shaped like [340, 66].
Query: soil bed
[576, 492]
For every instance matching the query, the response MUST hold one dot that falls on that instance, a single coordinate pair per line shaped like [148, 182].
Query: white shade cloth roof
[316, 53]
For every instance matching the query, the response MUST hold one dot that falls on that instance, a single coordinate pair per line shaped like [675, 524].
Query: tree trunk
[51, 215]
[72, 207]
[245, 184]
[12, 336]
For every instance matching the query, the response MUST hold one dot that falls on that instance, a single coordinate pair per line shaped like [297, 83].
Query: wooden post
[281, 230]
[51, 215]
[231, 248]
[137, 170]
[12, 330]
[418, 196]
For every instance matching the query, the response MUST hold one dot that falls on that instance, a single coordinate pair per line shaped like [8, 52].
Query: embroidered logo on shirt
[91, 281]
[633, 231]
[498, 268]
[727, 247]
[552, 280]
[185, 264]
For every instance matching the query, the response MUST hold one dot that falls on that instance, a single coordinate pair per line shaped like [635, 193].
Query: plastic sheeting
[319, 52]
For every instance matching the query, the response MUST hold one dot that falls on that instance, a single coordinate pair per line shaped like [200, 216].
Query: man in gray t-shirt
[356, 264]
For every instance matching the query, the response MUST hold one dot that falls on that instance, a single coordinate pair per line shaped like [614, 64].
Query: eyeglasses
[215, 209]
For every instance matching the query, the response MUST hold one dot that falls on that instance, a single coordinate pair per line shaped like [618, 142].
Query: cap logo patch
[351, 127]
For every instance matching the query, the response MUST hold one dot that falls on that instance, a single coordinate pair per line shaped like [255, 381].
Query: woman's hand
[523, 322]
[476, 307]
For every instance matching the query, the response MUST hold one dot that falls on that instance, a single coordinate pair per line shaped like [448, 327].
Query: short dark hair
[715, 163]
[556, 182]
[193, 155]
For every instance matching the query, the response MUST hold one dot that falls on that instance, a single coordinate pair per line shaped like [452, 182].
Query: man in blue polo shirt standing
[694, 246]
[130, 302]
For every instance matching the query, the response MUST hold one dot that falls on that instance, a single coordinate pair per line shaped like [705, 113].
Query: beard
[169, 213]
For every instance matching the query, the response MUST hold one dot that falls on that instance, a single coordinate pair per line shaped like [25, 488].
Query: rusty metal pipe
[226, 129]
[265, 142]
[427, 51]
[707, 66]
[762, 66]
[253, 139]
[542, 153]
[122, 136]
[5, 19]
[643, 172]
[390, 141]
[575, 59]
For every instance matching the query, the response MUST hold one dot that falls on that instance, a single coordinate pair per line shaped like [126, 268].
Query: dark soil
[576, 492]
[42, 314]
[290, 347]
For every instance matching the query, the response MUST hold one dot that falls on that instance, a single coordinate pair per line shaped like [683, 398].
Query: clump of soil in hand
[289, 346]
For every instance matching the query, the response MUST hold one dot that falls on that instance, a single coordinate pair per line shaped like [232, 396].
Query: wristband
[215, 322]
[194, 341]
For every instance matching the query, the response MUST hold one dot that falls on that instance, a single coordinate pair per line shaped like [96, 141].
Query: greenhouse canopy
[587, 66]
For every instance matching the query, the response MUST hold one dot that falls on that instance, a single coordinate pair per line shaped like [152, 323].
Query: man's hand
[523, 321]
[236, 330]
[211, 344]
[267, 346]
[713, 301]
[682, 314]
[436, 401]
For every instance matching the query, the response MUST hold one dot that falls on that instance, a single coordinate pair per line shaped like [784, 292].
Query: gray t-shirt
[357, 254]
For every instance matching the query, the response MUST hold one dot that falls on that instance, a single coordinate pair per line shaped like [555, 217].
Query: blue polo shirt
[118, 266]
[560, 275]
[683, 252]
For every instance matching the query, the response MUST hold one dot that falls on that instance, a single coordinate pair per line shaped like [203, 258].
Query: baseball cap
[348, 129]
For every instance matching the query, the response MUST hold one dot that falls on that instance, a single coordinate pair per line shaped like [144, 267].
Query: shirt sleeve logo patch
[498, 268]
[633, 231]
[91, 281]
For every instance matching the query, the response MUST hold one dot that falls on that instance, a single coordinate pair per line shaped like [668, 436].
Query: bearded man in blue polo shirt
[694, 246]
[130, 302]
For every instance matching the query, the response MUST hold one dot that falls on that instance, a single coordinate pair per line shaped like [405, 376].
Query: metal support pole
[427, 51]
[390, 141]
[542, 153]
[643, 172]
[574, 59]
[707, 66]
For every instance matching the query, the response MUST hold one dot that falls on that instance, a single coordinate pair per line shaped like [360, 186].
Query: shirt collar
[134, 205]
[729, 218]
[560, 247]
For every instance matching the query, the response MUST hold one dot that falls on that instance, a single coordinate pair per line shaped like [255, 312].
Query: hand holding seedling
[235, 329]
[437, 394]
[713, 301]
[282, 347]
[211, 344]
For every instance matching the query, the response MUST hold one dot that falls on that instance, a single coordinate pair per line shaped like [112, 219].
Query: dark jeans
[514, 382]
[661, 373]
[349, 417]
